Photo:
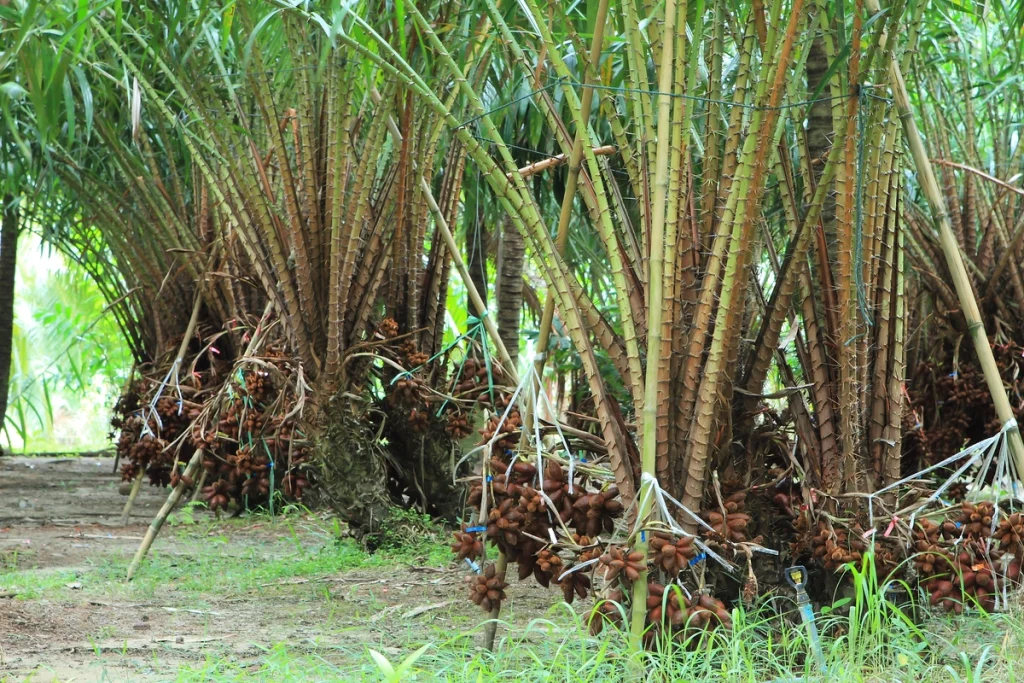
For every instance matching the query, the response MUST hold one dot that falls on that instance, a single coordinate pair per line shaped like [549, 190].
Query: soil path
[212, 591]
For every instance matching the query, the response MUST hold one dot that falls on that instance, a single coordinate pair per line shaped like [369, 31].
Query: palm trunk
[510, 288]
[476, 252]
[8, 265]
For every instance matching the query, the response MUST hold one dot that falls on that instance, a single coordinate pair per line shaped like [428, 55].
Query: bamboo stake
[491, 628]
[575, 164]
[178, 360]
[954, 260]
[474, 295]
[136, 487]
[199, 486]
[161, 517]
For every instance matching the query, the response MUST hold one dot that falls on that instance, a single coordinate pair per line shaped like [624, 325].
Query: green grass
[205, 560]
[865, 638]
[558, 648]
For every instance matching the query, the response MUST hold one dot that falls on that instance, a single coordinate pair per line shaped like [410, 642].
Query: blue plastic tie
[698, 558]
[643, 536]
[475, 529]
[490, 478]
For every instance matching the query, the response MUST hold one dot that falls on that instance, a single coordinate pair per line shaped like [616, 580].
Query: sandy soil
[59, 524]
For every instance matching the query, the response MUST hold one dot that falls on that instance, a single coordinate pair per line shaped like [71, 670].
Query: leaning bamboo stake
[178, 360]
[199, 486]
[501, 565]
[161, 517]
[136, 487]
[954, 259]
[575, 164]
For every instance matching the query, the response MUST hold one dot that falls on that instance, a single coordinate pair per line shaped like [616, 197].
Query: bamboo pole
[575, 165]
[136, 487]
[474, 295]
[501, 565]
[161, 517]
[954, 260]
[199, 486]
[655, 282]
[178, 360]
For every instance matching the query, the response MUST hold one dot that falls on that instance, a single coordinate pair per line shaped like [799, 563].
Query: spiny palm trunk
[510, 288]
[476, 250]
[8, 265]
[820, 129]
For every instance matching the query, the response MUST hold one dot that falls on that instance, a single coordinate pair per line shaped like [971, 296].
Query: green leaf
[69, 109]
[407, 663]
[13, 90]
[383, 665]
[87, 101]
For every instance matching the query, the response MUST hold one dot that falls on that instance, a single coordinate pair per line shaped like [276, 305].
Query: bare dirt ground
[211, 590]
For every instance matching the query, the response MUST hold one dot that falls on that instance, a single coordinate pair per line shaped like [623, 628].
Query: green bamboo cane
[954, 260]
[575, 163]
[656, 283]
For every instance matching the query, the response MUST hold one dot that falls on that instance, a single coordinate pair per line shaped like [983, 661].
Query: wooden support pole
[161, 517]
[571, 182]
[136, 487]
[954, 260]
[178, 360]
[199, 486]
[491, 629]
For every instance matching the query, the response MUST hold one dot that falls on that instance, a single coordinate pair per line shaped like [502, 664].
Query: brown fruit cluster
[836, 546]
[407, 391]
[668, 609]
[591, 550]
[508, 433]
[239, 416]
[388, 328]
[217, 495]
[258, 385]
[1010, 534]
[472, 381]
[957, 408]
[418, 420]
[575, 584]
[607, 612]
[467, 545]
[295, 483]
[547, 565]
[732, 527]
[457, 425]
[708, 613]
[618, 561]
[959, 565]
[672, 555]
[178, 477]
[597, 512]
[976, 518]
[486, 589]
[556, 486]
